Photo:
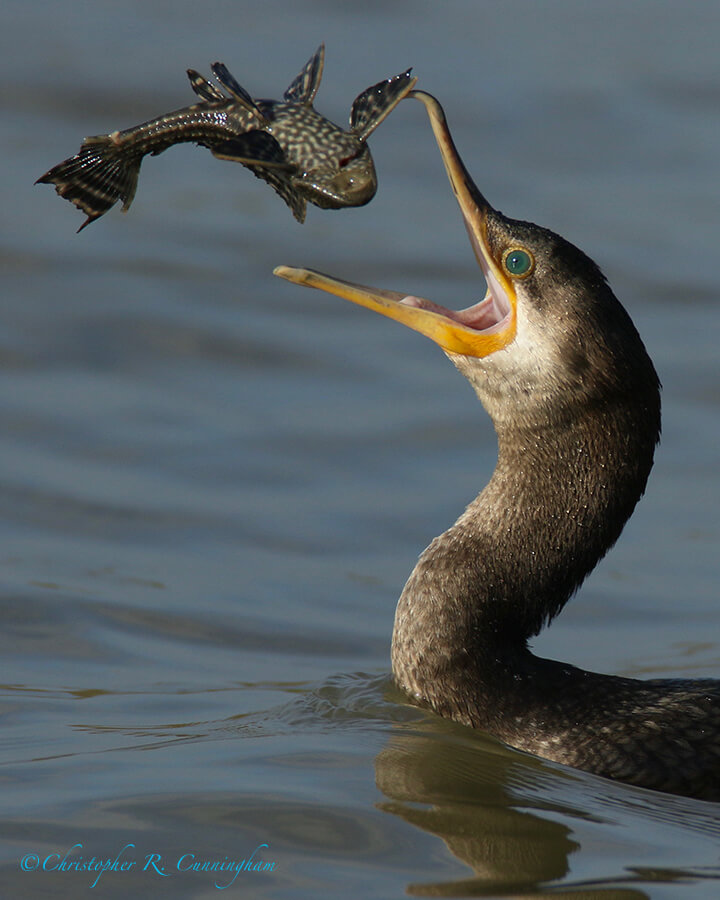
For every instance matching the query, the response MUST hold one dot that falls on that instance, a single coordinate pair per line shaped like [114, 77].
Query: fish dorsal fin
[238, 92]
[377, 102]
[203, 88]
[303, 88]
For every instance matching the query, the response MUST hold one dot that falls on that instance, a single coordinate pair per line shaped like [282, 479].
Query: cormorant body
[575, 401]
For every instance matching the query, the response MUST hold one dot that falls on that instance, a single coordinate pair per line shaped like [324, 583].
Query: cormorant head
[549, 333]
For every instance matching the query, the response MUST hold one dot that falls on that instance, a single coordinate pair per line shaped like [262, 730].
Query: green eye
[518, 262]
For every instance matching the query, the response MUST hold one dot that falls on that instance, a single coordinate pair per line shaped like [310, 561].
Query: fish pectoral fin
[204, 89]
[377, 102]
[254, 148]
[284, 186]
[304, 86]
[239, 93]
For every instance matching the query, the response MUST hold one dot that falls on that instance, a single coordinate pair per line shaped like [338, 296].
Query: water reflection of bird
[574, 398]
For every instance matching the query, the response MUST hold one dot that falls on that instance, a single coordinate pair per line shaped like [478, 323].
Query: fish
[303, 156]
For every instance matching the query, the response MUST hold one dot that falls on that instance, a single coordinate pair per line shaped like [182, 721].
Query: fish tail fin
[97, 177]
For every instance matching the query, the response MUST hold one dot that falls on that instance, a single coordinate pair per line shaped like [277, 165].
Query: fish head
[350, 180]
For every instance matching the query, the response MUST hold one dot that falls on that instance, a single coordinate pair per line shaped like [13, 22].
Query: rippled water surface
[213, 484]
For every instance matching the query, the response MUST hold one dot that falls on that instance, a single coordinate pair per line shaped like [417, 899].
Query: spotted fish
[301, 154]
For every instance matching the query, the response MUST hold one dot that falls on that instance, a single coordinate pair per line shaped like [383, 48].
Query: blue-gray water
[213, 484]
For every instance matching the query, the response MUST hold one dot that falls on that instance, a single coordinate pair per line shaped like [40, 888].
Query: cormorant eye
[518, 262]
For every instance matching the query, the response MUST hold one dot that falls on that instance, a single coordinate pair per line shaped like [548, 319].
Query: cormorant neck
[565, 483]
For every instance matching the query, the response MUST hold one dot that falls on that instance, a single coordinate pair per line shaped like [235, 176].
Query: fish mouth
[354, 185]
[479, 330]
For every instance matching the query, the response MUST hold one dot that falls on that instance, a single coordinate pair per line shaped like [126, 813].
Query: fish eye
[348, 159]
[518, 262]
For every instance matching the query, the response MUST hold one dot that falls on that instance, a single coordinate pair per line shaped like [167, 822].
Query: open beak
[478, 330]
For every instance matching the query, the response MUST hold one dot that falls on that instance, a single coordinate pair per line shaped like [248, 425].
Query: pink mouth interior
[488, 316]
